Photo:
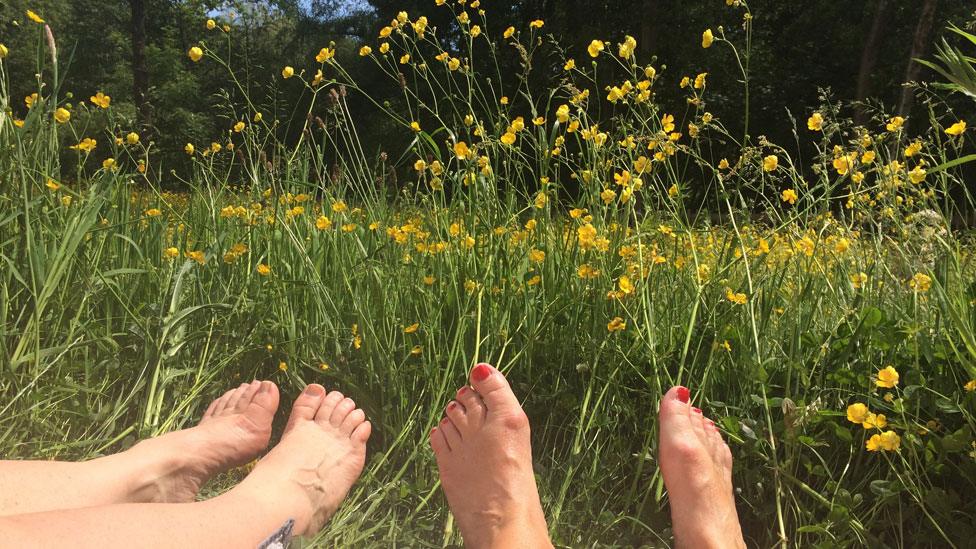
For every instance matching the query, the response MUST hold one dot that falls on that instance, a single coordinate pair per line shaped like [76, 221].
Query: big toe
[674, 415]
[263, 402]
[494, 389]
[306, 405]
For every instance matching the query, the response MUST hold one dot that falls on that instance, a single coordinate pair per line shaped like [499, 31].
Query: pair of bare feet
[482, 447]
[484, 455]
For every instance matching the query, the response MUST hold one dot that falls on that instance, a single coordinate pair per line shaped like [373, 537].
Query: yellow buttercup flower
[858, 280]
[326, 54]
[263, 269]
[211, 24]
[189, 149]
[770, 163]
[737, 298]
[920, 282]
[171, 253]
[707, 38]
[626, 49]
[537, 24]
[195, 54]
[895, 124]
[857, 412]
[87, 145]
[875, 421]
[3, 51]
[887, 377]
[239, 127]
[815, 122]
[956, 129]
[508, 32]
[109, 164]
[287, 72]
[132, 138]
[970, 386]
[412, 328]
[595, 48]
[789, 195]
[101, 100]
[616, 325]
[62, 115]
[34, 17]
[365, 50]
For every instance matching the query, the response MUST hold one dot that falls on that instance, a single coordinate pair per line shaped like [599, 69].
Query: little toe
[456, 412]
[209, 413]
[353, 420]
[306, 405]
[361, 433]
[342, 410]
[221, 402]
[451, 433]
[328, 406]
[494, 389]
[474, 406]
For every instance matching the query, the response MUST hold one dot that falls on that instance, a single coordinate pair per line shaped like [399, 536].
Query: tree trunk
[140, 71]
[920, 47]
[649, 10]
[869, 57]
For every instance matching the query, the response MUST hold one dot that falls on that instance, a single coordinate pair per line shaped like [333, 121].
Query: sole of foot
[234, 430]
[321, 455]
[484, 455]
[697, 468]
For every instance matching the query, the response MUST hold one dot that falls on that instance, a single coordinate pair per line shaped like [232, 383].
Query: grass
[126, 308]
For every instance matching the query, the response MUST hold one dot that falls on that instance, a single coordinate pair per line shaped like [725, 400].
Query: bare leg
[484, 454]
[697, 468]
[167, 469]
[304, 478]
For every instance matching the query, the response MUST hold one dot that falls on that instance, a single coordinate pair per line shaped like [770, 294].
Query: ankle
[154, 463]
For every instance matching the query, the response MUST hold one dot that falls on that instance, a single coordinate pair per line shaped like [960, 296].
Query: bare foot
[484, 455]
[697, 468]
[321, 455]
[234, 430]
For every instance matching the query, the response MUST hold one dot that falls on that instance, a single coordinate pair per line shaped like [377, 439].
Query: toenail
[313, 391]
[452, 406]
[462, 390]
[683, 394]
[481, 372]
[444, 421]
[696, 410]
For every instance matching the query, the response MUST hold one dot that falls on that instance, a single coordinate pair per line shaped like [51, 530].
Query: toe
[234, 398]
[265, 399]
[341, 411]
[437, 442]
[306, 405]
[674, 414]
[474, 407]
[247, 396]
[210, 410]
[328, 406]
[451, 433]
[698, 425]
[361, 433]
[353, 420]
[456, 412]
[221, 402]
[494, 389]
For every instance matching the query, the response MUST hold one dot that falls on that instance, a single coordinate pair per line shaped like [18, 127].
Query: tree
[920, 47]
[140, 71]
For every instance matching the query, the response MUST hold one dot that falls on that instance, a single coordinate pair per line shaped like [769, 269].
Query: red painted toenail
[452, 406]
[696, 410]
[481, 372]
[462, 390]
[683, 394]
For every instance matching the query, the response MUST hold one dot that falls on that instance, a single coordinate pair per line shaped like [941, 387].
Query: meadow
[595, 246]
